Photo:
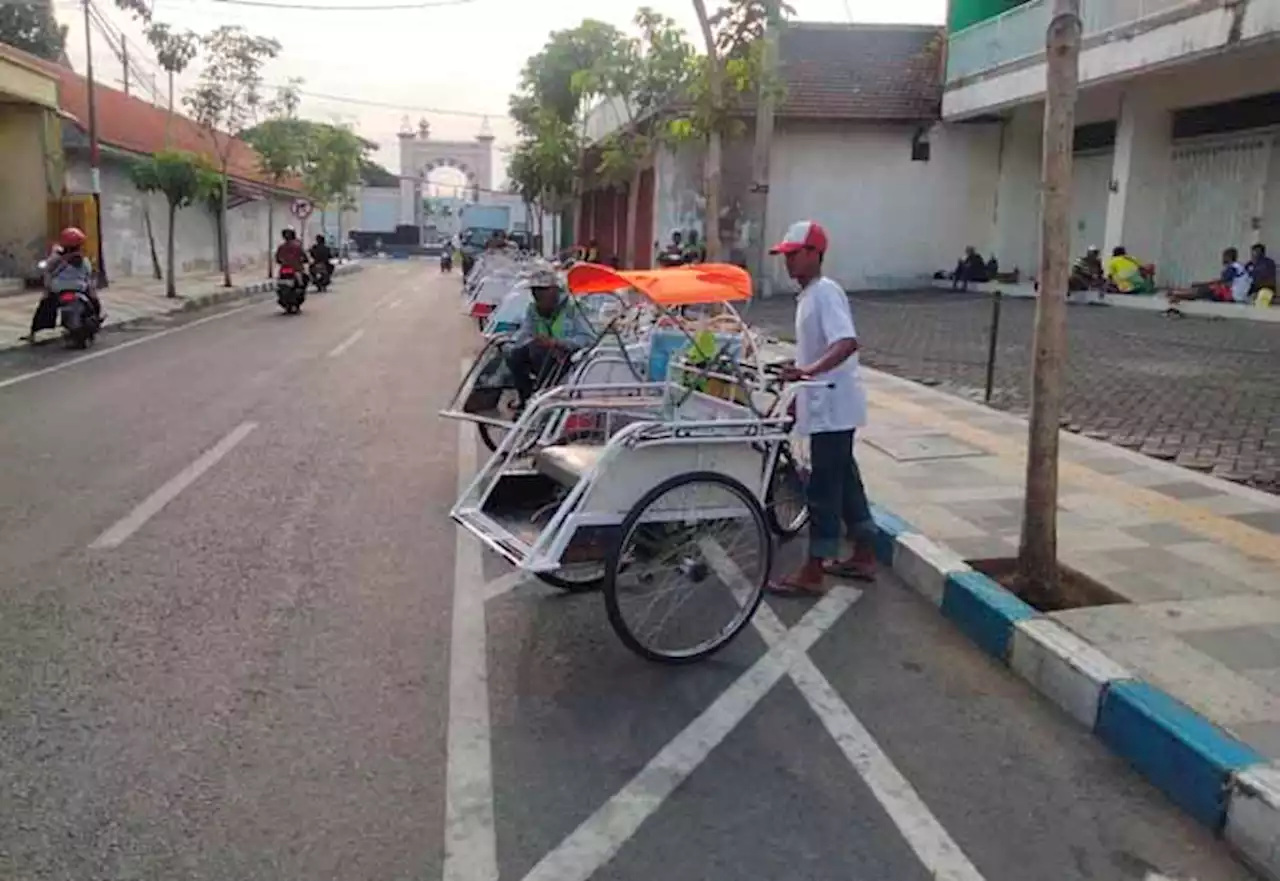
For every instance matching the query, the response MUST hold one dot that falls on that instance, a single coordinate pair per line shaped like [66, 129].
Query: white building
[857, 146]
[907, 152]
[1177, 122]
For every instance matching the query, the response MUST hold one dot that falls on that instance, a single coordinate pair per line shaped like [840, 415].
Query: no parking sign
[301, 208]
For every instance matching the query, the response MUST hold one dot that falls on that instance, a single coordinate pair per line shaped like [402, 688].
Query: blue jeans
[835, 494]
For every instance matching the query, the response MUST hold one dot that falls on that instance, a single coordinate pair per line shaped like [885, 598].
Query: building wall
[125, 234]
[892, 221]
[1191, 31]
[679, 203]
[24, 191]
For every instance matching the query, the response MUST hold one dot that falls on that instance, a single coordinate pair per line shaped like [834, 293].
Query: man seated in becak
[553, 328]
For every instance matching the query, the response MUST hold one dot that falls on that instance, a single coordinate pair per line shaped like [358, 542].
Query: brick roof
[861, 71]
[138, 126]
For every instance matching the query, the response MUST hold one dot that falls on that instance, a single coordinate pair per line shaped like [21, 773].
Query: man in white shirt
[829, 412]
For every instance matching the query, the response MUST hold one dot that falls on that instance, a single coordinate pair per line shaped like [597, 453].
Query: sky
[454, 64]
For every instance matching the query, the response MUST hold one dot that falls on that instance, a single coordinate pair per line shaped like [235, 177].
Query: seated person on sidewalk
[971, 268]
[1262, 272]
[66, 269]
[1125, 275]
[1232, 286]
[1087, 273]
[552, 330]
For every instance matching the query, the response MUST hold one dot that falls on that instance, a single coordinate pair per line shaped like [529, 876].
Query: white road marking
[927, 838]
[471, 845]
[599, 838]
[346, 344]
[102, 353]
[154, 503]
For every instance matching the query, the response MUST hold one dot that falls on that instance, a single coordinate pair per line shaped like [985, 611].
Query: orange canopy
[677, 286]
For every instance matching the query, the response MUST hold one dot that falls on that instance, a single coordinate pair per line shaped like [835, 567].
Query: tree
[182, 178]
[543, 166]
[732, 69]
[32, 28]
[283, 144]
[142, 174]
[226, 98]
[561, 82]
[1038, 548]
[175, 50]
[644, 77]
[333, 167]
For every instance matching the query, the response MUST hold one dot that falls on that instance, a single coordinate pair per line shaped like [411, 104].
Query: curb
[1220, 782]
[194, 303]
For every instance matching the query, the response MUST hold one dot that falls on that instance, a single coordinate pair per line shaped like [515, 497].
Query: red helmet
[71, 237]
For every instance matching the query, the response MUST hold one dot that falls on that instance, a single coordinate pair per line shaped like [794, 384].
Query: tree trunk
[168, 120]
[170, 283]
[711, 174]
[222, 230]
[271, 237]
[758, 200]
[151, 236]
[633, 214]
[338, 240]
[1038, 550]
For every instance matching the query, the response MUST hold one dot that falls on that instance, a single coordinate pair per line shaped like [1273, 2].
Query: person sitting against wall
[1125, 275]
[1087, 274]
[970, 268]
[1232, 285]
[1262, 272]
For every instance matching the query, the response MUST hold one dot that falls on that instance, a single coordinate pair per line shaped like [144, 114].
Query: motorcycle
[446, 262]
[80, 320]
[79, 317]
[322, 275]
[291, 290]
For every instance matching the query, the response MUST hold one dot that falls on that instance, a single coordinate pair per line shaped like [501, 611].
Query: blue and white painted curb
[1221, 782]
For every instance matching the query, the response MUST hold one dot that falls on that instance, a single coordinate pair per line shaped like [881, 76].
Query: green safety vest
[553, 328]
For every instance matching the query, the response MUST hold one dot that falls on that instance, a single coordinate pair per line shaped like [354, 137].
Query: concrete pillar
[1140, 177]
[408, 198]
[1018, 191]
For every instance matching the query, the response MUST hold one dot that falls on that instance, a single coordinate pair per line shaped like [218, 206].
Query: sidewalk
[1197, 560]
[137, 299]
[1146, 303]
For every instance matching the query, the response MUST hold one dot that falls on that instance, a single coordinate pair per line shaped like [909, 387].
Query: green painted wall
[963, 13]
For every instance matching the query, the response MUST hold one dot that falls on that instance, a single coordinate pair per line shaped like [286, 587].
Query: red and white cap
[802, 234]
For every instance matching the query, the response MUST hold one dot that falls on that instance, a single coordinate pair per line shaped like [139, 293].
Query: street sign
[301, 208]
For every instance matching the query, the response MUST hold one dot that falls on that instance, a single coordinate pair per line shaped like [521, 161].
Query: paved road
[242, 641]
[1197, 391]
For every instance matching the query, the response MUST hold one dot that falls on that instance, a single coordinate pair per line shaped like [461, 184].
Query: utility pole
[1038, 550]
[758, 197]
[95, 165]
[124, 60]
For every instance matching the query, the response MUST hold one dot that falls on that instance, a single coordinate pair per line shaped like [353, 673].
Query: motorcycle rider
[66, 269]
[322, 257]
[291, 254]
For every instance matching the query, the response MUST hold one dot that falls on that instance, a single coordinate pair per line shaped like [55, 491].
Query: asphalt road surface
[242, 640]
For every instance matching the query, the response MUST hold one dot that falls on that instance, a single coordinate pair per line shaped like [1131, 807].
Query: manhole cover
[921, 447]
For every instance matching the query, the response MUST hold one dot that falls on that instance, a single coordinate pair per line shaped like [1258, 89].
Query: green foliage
[283, 142]
[738, 68]
[228, 93]
[373, 174]
[175, 174]
[333, 164]
[543, 165]
[175, 50]
[559, 78]
[33, 28]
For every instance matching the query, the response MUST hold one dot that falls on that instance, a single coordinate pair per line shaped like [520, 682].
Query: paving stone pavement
[1195, 391]
[1196, 558]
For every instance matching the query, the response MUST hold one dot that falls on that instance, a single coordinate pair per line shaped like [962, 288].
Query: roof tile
[132, 124]
[861, 71]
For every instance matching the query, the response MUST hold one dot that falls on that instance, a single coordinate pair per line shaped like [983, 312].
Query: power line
[363, 102]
